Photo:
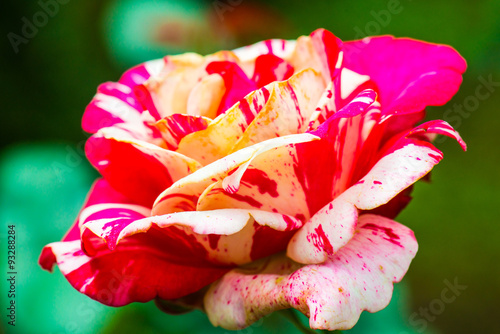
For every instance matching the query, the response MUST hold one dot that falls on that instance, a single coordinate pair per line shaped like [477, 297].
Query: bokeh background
[51, 70]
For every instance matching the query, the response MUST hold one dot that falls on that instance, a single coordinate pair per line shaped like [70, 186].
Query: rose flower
[259, 179]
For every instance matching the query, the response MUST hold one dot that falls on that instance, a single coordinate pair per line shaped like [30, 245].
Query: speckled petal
[333, 294]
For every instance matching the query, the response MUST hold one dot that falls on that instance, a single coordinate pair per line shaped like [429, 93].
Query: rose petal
[139, 170]
[177, 126]
[206, 96]
[287, 110]
[117, 278]
[402, 164]
[236, 82]
[268, 183]
[269, 68]
[333, 295]
[217, 140]
[228, 236]
[140, 272]
[183, 195]
[115, 102]
[291, 180]
[167, 93]
[321, 51]
[278, 47]
[421, 74]
[323, 167]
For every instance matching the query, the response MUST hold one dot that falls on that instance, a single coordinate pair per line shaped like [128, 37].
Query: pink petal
[410, 74]
[137, 75]
[323, 167]
[333, 294]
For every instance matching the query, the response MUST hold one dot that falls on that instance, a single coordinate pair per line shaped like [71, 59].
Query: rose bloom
[259, 179]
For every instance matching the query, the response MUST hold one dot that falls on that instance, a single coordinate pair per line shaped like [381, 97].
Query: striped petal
[296, 180]
[323, 167]
[168, 92]
[222, 237]
[115, 102]
[333, 294]
[177, 126]
[278, 47]
[287, 111]
[183, 195]
[139, 170]
[217, 140]
[268, 183]
[117, 278]
[403, 163]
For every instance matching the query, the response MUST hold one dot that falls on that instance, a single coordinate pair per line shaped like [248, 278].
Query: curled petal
[217, 140]
[269, 68]
[421, 74]
[333, 294]
[168, 92]
[183, 195]
[177, 126]
[404, 162]
[117, 278]
[227, 236]
[140, 170]
[287, 110]
[115, 102]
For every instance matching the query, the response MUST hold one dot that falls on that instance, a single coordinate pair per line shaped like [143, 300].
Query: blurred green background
[51, 72]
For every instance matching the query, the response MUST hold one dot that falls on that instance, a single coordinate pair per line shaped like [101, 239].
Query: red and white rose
[259, 179]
